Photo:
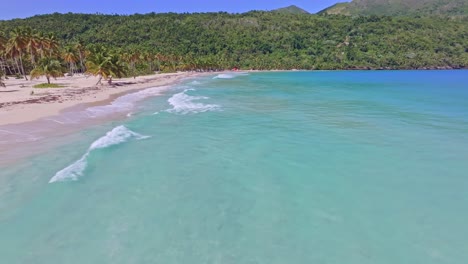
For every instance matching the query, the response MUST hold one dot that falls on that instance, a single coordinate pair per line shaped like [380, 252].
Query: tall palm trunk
[22, 67]
[17, 69]
[100, 79]
[3, 72]
[3, 63]
[132, 65]
[72, 66]
[81, 62]
[33, 60]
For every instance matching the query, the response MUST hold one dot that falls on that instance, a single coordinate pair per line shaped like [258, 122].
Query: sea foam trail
[9, 136]
[230, 75]
[124, 103]
[183, 103]
[116, 136]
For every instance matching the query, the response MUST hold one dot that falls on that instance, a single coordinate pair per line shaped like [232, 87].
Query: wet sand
[20, 102]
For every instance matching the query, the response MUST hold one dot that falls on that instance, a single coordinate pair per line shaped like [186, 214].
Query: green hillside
[291, 10]
[337, 9]
[401, 7]
[264, 40]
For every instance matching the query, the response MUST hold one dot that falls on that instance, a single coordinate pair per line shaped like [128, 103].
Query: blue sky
[25, 8]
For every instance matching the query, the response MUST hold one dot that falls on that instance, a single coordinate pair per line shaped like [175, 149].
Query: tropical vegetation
[27, 51]
[115, 45]
[47, 67]
[104, 64]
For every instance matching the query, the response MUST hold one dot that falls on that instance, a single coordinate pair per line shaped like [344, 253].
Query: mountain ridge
[399, 8]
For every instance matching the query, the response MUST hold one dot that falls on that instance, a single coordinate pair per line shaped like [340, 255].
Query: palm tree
[16, 46]
[69, 56]
[3, 42]
[148, 57]
[159, 57]
[101, 63]
[41, 44]
[47, 67]
[79, 48]
[51, 44]
[133, 57]
[32, 43]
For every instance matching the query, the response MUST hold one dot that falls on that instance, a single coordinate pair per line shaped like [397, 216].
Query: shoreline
[18, 105]
[19, 140]
[21, 103]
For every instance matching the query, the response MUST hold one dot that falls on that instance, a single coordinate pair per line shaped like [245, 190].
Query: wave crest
[230, 75]
[124, 103]
[183, 103]
[116, 136]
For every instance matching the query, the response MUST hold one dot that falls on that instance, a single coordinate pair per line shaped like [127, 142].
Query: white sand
[18, 105]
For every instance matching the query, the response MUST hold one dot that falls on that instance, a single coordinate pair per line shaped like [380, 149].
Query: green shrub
[47, 85]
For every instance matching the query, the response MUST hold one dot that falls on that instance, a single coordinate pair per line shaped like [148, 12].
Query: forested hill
[269, 40]
[401, 7]
[291, 9]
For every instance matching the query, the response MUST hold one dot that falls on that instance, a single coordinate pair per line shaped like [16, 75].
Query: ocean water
[285, 167]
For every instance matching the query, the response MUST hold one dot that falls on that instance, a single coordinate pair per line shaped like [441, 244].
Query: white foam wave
[183, 103]
[195, 83]
[116, 136]
[224, 76]
[124, 103]
[230, 75]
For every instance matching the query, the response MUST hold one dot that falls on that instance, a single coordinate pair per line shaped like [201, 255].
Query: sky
[10, 9]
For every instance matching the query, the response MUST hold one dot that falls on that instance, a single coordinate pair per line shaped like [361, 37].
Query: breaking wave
[230, 75]
[116, 136]
[183, 103]
[124, 103]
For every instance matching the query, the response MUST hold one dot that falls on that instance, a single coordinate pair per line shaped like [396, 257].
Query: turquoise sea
[330, 167]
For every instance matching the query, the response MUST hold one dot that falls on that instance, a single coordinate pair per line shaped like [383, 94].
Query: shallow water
[293, 167]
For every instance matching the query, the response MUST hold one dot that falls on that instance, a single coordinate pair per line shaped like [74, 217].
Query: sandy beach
[20, 102]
